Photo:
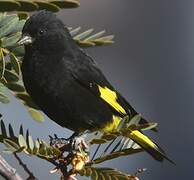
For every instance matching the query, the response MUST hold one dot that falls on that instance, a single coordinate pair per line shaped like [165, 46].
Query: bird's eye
[41, 32]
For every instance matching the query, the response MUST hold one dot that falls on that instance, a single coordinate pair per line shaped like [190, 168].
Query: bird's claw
[79, 144]
[58, 142]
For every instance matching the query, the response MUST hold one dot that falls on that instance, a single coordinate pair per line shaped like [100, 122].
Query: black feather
[62, 80]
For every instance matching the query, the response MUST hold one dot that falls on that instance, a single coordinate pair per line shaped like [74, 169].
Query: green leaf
[87, 39]
[66, 3]
[42, 149]
[46, 5]
[10, 143]
[19, 26]
[124, 152]
[1, 16]
[26, 5]
[36, 147]
[105, 173]
[105, 38]
[85, 44]
[135, 120]
[73, 32]
[7, 28]
[98, 141]
[147, 126]
[26, 100]
[15, 63]
[22, 141]
[95, 36]
[101, 42]
[10, 76]
[4, 99]
[15, 87]
[56, 152]
[83, 34]
[8, 151]
[23, 15]
[2, 64]
[11, 40]
[123, 123]
[37, 144]
[109, 137]
[6, 18]
[36, 115]
[9, 5]
[30, 143]
[49, 151]
[95, 175]
[3, 80]
[28, 146]
[19, 51]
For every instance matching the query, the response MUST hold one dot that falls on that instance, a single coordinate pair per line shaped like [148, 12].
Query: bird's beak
[25, 40]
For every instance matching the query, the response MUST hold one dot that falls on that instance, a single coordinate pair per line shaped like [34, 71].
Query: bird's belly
[68, 104]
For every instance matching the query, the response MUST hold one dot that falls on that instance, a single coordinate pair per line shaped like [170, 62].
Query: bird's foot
[73, 143]
[58, 142]
[79, 144]
[74, 152]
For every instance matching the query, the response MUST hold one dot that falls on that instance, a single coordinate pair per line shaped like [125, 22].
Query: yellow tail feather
[148, 145]
[142, 140]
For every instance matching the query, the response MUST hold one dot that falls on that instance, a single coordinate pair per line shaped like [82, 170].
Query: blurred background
[151, 64]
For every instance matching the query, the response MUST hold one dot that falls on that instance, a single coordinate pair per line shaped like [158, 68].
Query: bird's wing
[88, 75]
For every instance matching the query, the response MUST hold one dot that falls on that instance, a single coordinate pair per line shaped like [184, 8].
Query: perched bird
[67, 84]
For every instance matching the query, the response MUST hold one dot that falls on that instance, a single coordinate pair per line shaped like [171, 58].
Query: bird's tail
[148, 145]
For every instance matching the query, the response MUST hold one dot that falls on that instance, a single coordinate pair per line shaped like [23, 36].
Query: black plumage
[61, 78]
[67, 84]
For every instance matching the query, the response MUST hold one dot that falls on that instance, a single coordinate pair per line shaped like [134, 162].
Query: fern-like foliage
[105, 173]
[11, 58]
[89, 39]
[22, 142]
[28, 5]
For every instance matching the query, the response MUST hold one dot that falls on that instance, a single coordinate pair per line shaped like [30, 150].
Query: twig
[31, 175]
[8, 172]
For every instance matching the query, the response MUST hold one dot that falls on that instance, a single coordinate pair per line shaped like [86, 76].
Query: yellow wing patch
[111, 98]
[112, 125]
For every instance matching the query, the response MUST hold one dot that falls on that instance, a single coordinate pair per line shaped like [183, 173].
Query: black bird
[67, 84]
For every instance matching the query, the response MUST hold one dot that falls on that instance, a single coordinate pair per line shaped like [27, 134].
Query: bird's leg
[72, 136]
[84, 139]
[58, 142]
[80, 142]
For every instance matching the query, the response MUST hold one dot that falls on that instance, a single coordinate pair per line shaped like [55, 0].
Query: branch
[8, 172]
[31, 175]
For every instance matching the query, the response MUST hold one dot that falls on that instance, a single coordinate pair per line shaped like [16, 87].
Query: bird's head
[45, 32]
